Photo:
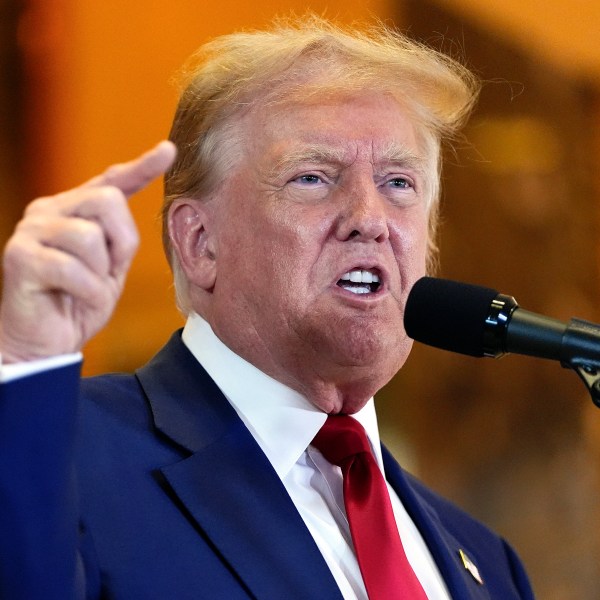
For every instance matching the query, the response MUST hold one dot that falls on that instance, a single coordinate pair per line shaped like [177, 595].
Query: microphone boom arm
[576, 344]
[581, 352]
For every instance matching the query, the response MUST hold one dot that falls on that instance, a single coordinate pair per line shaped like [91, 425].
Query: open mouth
[360, 281]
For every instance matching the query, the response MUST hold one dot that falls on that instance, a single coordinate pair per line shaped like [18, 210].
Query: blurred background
[516, 441]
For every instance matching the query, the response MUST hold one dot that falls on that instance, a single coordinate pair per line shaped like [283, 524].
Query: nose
[363, 215]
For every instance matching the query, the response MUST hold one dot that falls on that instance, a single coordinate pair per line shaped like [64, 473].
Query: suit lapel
[228, 486]
[460, 578]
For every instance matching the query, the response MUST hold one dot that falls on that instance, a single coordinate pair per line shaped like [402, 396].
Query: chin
[372, 347]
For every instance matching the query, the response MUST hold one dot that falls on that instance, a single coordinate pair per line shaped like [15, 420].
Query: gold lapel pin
[471, 567]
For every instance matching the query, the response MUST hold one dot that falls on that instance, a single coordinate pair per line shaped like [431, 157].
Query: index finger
[133, 176]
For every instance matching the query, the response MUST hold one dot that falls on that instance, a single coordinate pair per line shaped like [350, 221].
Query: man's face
[319, 233]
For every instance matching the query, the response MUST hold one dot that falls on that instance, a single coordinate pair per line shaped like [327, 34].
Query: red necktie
[386, 571]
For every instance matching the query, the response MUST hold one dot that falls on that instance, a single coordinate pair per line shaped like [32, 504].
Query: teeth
[360, 276]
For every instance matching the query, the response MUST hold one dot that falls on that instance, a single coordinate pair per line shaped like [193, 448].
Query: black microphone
[478, 321]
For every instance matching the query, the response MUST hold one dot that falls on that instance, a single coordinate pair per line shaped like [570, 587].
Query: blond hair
[298, 58]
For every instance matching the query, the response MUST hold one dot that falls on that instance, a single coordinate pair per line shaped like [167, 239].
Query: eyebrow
[398, 154]
[309, 154]
[395, 154]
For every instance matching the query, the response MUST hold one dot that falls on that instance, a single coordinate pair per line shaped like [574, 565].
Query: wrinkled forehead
[319, 99]
[308, 120]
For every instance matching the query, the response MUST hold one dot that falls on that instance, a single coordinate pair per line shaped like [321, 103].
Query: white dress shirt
[283, 424]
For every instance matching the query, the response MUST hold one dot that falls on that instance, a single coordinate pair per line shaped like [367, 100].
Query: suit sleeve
[39, 539]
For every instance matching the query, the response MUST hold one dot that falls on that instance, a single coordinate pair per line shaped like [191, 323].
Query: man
[299, 212]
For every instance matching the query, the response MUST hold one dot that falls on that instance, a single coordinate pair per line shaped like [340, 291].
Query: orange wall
[100, 93]
[563, 32]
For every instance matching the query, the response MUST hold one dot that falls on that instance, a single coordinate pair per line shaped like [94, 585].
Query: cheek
[297, 236]
[270, 246]
[411, 244]
[266, 261]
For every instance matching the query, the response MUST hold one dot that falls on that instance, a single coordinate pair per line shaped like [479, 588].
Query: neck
[331, 387]
[345, 391]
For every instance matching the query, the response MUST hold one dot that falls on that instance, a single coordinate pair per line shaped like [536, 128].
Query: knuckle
[88, 235]
[11, 259]
[16, 252]
[128, 245]
[108, 193]
[39, 205]
[99, 199]
[112, 173]
[109, 200]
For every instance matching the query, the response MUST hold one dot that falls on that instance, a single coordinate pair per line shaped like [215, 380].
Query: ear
[191, 236]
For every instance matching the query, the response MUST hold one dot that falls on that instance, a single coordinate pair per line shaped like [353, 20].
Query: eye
[309, 186]
[400, 183]
[309, 179]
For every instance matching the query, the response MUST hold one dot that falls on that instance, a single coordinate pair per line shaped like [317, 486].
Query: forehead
[370, 125]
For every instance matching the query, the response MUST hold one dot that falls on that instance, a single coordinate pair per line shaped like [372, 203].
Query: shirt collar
[282, 421]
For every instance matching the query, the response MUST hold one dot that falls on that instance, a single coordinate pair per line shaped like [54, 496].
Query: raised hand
[66, 263]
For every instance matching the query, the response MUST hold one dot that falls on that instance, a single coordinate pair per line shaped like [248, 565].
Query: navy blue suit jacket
[149, 486]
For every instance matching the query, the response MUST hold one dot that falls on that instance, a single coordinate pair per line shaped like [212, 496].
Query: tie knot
[341, 437]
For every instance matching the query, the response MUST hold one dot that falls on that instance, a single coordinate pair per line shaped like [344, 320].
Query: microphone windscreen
[448, 314]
